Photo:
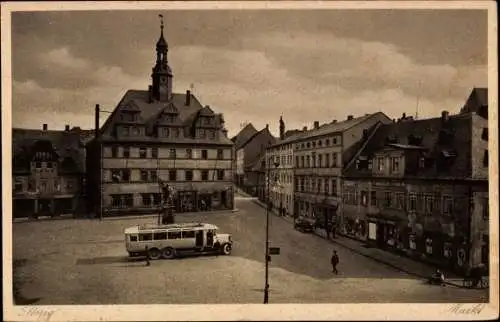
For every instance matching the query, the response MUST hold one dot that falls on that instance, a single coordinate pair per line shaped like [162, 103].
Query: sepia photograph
[230, 155]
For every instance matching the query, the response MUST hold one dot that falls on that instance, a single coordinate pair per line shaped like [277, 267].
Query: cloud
[304, 77]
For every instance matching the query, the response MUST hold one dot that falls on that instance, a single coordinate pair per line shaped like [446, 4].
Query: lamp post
[266, 286]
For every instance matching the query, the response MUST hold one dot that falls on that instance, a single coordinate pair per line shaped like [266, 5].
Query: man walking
[335, 262]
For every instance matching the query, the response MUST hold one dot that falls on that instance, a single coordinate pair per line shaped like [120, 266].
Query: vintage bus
[168, 241]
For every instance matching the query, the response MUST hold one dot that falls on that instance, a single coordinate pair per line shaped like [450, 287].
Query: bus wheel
[154, 253]
[168, 253]
[226, 249]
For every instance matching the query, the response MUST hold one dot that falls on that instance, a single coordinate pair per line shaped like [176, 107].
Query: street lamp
[266, 286]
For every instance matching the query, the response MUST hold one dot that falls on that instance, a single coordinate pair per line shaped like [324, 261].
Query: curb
[235, 210]
[46, 218]
[371, 257]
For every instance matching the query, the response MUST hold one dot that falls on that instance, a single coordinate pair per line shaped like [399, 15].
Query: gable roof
[428, 131]
[149, 112]
[262, 138]
[242, 137]
[66, 144]
[329, 128]
[477, 99]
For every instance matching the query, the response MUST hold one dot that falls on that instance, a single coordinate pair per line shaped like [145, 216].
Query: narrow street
[85, 262]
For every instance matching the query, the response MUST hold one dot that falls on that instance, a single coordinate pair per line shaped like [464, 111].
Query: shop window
[143, 153]
[204, 175]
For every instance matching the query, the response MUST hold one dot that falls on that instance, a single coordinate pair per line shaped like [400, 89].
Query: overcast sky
[250, 65]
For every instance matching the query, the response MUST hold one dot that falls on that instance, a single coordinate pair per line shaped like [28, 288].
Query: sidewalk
[123, 217]
[401, 263]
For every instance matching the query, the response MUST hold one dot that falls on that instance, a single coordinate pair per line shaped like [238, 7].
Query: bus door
[199, 238]
[210, 238]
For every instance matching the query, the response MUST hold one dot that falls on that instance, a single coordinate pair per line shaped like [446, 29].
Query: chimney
[404, 116]
[334, 121]
[150, 94]
[304, 128]
[445, 115]
[188, 97]
[66, 128]
[350, 117]
[97, 111]
[316, 125]
[45, 127]
[393, 120]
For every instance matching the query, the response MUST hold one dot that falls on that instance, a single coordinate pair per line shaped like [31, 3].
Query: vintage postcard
[250, 160]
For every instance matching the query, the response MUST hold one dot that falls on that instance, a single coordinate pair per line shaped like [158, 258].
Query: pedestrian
[335, 262]
[147, 257]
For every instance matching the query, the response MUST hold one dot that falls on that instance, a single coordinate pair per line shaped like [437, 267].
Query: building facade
[48, 172]
[416, 188]
[281, 171]
[248, 154]
[319, 157]
[239, 161]
[154, 136]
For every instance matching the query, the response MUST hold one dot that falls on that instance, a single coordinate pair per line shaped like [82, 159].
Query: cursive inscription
[467, 309]
[40, 314]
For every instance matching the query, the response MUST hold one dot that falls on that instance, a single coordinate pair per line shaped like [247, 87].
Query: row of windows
[318, 160]
[316, 185]
[426, 203]
[163, 235]
[282, 160]
[123, 175]
[169, 132]
[318, 143]
[145, 153]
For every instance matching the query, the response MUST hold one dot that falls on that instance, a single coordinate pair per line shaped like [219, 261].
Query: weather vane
[161, 20]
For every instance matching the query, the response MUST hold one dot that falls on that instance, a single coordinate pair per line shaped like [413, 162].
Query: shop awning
[384, 218]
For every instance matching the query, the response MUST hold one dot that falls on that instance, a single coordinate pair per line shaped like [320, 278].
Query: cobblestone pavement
[84, 262]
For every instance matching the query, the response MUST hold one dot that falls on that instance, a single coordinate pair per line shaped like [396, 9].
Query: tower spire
[161, 24]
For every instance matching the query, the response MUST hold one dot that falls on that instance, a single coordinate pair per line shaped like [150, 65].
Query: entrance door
[210, 238]
[199, 238]
[223, 197]
[44, 206]
[380, 235]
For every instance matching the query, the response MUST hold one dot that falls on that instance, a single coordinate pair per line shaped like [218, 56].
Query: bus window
[133, 238]
[174, 235]
[188, 234]
[160, 235]
[145, 237]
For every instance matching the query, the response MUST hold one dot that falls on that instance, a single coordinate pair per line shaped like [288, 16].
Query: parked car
[304, 224]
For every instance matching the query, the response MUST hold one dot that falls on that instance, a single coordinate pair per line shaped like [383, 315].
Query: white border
[251, 311]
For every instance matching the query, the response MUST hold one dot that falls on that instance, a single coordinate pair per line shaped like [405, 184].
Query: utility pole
[266, 286]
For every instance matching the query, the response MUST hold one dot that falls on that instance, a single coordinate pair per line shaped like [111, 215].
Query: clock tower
[162, 73]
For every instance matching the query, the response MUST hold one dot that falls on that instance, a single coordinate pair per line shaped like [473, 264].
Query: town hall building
[155, 136]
